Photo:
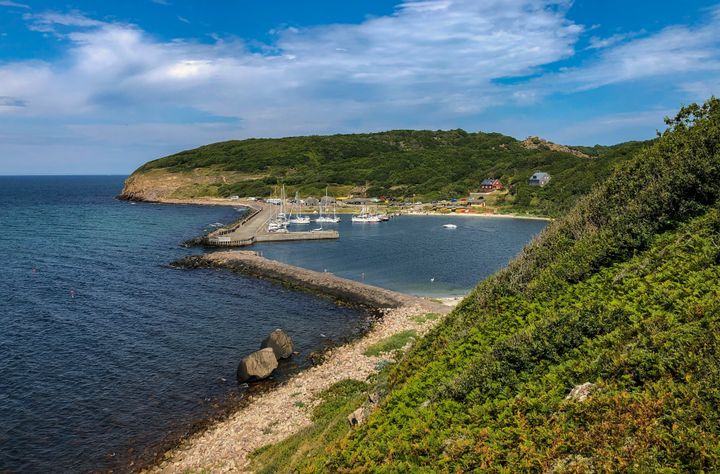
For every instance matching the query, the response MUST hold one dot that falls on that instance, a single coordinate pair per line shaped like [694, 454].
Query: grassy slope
[623, 292]
[402, 163]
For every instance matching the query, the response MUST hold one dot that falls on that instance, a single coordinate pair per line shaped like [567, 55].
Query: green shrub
[392, 343]
[622, 292]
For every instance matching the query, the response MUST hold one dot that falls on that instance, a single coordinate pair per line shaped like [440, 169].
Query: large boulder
[257, 365]
[280, 342]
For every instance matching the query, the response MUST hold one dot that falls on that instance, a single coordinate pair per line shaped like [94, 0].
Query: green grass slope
[403, 163]
[623, 293]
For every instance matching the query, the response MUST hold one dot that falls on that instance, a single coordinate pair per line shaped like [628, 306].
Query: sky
[91, 87]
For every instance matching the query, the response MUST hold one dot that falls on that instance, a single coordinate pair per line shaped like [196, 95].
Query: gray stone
[579, 393]
[257, 366]
[280, 342]
[359, 416]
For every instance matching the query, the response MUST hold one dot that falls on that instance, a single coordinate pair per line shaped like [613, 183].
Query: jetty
[325, 283]
[253, 228]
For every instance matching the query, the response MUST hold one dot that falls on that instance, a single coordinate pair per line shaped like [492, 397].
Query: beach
[282, 411]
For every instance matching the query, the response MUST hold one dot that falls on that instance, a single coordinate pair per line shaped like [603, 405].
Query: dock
[252, 229]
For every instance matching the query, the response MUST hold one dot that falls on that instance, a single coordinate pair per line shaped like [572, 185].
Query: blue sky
[91, 87]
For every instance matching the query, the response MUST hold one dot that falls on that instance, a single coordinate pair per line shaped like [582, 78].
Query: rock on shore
[280, 342]
[257, 366]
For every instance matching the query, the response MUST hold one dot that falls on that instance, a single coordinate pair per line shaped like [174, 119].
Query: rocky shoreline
[274, 414]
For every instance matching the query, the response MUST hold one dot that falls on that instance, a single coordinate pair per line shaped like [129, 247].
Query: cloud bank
[431, 64]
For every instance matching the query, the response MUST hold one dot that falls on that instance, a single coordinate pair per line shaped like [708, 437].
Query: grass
[392, 343]
[329, 424]
[422, 318]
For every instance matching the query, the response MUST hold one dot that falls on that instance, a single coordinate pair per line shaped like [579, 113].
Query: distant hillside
[596, 350]
[426, 165]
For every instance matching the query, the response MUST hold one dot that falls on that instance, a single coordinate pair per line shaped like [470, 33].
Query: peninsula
[394, 167]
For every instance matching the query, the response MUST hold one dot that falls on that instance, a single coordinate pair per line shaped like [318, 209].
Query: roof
[540, 175]
[488, 182]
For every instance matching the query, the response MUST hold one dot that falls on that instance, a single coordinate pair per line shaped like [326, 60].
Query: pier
[343, 289]
[252, 228]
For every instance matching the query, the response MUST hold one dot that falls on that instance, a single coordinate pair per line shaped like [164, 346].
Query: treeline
[403, 164]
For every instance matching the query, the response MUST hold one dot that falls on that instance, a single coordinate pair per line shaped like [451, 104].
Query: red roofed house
[490, 185]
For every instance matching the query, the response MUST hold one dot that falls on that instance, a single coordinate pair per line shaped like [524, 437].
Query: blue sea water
[106, 352]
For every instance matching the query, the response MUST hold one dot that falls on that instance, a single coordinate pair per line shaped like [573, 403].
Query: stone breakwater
[349, 291]
[274, 415]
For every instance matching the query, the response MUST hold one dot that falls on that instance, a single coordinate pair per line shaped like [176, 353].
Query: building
[311, 201]
[359, 201]
[539, 178]
[325, 200]
[489, 185]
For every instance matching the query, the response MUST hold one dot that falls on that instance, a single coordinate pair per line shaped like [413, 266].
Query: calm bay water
[413, 254]
[106, 352]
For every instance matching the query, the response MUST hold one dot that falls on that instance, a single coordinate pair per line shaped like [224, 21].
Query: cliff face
[161, 184]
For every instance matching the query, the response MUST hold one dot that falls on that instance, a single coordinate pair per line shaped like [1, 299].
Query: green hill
[428, 165]
[622, 293]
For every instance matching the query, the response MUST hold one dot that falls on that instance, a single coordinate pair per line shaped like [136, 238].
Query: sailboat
[334, 219]
[279, 223]
[298, 219]
[366, 216]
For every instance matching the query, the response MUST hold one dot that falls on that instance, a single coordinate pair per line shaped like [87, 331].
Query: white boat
[280, 221]
[366, 216]
[450, 226]
[275, 227]
[297, 218]
[328, 219]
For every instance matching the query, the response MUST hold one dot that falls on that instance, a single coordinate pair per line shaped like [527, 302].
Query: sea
[108, 354]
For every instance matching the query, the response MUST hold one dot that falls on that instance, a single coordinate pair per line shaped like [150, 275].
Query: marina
[263, 224]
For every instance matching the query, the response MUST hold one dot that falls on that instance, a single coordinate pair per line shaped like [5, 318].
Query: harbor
[259, 226]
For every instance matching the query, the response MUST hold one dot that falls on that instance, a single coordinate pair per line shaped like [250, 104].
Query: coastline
[477, 214]
[275, 414]
[209, 201]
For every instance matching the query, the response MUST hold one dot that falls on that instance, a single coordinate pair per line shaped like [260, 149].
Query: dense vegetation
[623, 292]
[428, 165]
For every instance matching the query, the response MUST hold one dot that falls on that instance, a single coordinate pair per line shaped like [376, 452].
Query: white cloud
[11, 4]
[429, 54]
[49, 21]
[674, 52]
[428, 65]
[597, 42]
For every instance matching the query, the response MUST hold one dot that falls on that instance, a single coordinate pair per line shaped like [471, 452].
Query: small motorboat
[450, 226]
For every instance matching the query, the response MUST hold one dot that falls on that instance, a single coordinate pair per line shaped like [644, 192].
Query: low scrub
[392, 343]
[623, 292]
[329, 424]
